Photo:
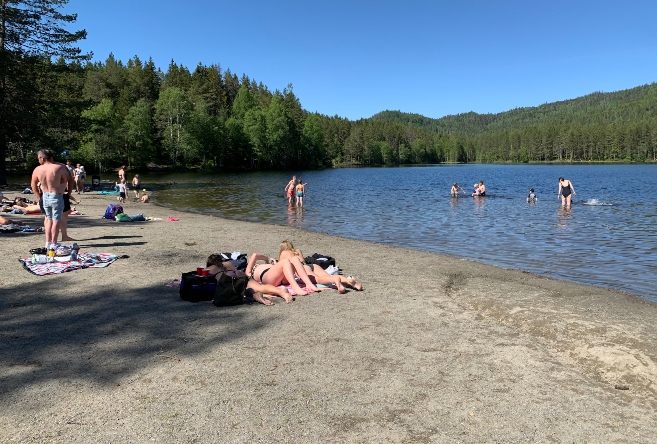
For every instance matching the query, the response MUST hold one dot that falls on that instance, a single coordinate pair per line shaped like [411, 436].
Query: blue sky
[356, 58]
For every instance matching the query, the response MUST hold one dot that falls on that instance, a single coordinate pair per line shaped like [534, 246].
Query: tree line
[106, 114]
[617, 126]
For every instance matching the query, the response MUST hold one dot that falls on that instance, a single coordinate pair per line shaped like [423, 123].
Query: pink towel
[174, 219]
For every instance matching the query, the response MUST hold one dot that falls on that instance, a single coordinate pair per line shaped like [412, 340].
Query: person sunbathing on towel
[280, 273]
[5, 221]
[28, 208]
[256, 290]
[320, 276]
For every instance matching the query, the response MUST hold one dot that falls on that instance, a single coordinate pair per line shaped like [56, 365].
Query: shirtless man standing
[53, 178]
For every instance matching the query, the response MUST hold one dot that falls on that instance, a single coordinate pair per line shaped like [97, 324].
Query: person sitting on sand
[144, 196]
[256, 290]
[280, 273]
[455, 190]
[315, 272]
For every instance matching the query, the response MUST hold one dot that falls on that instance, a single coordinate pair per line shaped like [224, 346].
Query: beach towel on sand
[85, 260]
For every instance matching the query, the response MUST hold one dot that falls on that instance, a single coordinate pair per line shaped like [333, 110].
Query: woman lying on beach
[317, 273]
[280, 273]
[217, 265]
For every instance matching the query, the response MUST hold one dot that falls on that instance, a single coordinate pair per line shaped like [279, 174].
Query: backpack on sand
[322, 260]
[195, 288]
[230, 290]
[112, 211]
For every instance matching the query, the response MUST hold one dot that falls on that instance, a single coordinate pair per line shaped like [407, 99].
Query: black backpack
[322, 260]
[230, 290]
[195, 288]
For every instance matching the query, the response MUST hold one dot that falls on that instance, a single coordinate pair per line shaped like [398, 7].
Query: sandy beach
[435, 349]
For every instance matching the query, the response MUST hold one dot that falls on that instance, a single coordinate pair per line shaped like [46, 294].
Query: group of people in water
[295, 188]
[565, 192]
[268, 276]
[479, 189]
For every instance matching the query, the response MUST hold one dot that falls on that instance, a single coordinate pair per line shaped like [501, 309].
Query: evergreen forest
[112, 113]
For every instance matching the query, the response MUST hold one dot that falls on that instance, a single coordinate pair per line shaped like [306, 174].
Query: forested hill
[636, 105]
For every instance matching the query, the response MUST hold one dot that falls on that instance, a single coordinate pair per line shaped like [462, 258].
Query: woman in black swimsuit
[566, 191]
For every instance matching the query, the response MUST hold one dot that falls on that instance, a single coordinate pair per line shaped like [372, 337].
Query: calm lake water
[607, 238]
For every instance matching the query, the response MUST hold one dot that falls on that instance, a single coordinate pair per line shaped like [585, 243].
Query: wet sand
[436, 349]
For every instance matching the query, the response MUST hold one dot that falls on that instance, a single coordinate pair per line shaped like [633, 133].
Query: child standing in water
[532, 196]
[301, 191]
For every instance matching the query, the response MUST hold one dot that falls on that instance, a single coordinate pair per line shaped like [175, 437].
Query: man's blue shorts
[53, 205]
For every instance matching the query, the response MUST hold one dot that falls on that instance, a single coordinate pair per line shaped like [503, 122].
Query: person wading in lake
[566, 191]
[289, 189]
[301, 191]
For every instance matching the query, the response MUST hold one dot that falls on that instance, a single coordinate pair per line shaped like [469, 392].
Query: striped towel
[86, 260]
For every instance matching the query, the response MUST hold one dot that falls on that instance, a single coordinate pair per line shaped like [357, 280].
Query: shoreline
[429, 351]
[645, 298]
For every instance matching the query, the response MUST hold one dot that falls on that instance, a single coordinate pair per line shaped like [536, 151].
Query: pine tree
[31, 31]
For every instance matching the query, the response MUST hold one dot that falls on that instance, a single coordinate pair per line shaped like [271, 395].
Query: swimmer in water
[566, 191]
[455, 190]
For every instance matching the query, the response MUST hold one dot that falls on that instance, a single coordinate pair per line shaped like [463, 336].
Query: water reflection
[563, 219]
[479, 202]
[294, 215]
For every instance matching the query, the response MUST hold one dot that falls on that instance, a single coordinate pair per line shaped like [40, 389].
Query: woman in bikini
[566, 191]
[315, 272]
[217, 265]
[279, 273]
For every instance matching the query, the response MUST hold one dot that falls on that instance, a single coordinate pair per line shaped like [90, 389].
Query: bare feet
[68, 238]
[339, 286]
[353, 283]
[309, 288]
[300, 291]
[285, 295]
[260, 298]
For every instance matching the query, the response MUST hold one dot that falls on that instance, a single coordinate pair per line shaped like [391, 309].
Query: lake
[607, 238]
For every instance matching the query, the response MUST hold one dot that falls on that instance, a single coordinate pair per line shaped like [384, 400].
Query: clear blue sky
[355, 58]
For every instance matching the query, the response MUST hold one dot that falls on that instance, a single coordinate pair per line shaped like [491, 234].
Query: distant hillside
[636, 105]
